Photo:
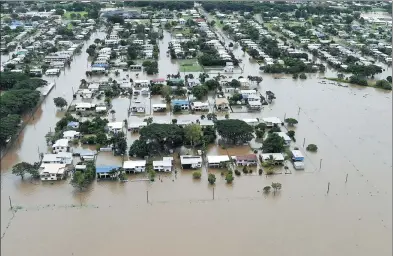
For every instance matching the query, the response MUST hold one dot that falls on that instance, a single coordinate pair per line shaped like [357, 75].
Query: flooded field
[351, 126]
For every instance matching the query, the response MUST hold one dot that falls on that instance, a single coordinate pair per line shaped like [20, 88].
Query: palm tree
[83, 82]
[113, 114]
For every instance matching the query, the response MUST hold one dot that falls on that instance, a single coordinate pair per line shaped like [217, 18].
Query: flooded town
[250, 127]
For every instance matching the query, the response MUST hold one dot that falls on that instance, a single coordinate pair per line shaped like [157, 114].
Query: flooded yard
[351, 126]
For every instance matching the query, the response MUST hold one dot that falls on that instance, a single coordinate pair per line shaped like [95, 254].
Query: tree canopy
[235, 131]
[274, 143]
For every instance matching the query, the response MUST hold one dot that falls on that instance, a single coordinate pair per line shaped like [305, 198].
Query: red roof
[247, 157]
[199, 20]
[158, 80]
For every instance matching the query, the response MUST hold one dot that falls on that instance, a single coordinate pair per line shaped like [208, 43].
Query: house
[86, 93]
[297, 156]
[298, 165]
[138, 107]
[134, 166]
[271, 121]
[164, 165]
[277, 158]
[52, 171]
[104, 172]
[222, 104]
[84, 106]
[193, 82]
[200, 106]
[59, 158]
[159, 107]
[205, 123]
[254, 105]
[141, 83]
[70, 135]
[115, 127]
[244, 83]
[74, 125]
[217, 161]
[286, 138]
[190, 162]
[247, 93]
[246, 160]
[184, 104]
[60, 146]
[251, 121]
[135, 127]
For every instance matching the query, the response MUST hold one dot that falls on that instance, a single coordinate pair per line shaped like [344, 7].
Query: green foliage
[291, 121]
[139, 148]
[94, 126]
[358, 80]
[60, 102]
[245, 170]
[312, 148]
[229, 177]
[199, 91]
[8, 80]
[235, 131]
[209, 134]
[266, 189]
[235, 83]
[211, 178]
[193, 134]
[291, 134]
[212, 84]
[176, 109]
[383, 84]
[196, 175]
[273, 144]
[276, 186]
[302, 76]
[119, 142]
[237, 172]
[8, 127]
[151, 67]
[151, 173]
[21, 169]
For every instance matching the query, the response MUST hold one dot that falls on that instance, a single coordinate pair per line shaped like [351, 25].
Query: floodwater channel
[351, 126]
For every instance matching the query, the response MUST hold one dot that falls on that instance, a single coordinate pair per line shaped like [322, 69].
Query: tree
[291, 121]
[196, 175]
[383, 84]
[79, 180]
[193, 134]
[151, 173]
[60, 102]
[199, 91]
[274, 143]
[148, 120]
[235, 131]
[340, 76]
[113, 112]
[176, 109]
[22, 168]
[59, 12]
[229, 177]
[312, 148]
[211, 178]
[235, 83]
[119, 143]
[139, 148]
[276, 186]
[291, 134]
[266, 189]
[302, 76]
[389, 79]
[212, 84]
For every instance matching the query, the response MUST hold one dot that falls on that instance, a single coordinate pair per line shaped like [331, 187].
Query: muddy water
[353, 134]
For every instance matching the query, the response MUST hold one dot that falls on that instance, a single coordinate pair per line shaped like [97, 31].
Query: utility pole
[320, 164]
[147, 196]
[328, 188]
[213, 193]
[285, 116]
[346, 178]
[298, 112]
[304, 142]
[10, 202]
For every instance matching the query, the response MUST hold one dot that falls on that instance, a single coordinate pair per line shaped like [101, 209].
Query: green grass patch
[67, 15]
[69, 26]
[190, 65]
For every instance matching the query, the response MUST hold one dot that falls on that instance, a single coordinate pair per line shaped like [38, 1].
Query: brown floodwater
[351, 126]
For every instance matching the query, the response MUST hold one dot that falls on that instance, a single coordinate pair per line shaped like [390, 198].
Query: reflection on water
[341, 121]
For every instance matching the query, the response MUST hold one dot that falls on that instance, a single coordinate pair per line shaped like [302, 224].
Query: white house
[159, 107]
[70, 135]
[134, 166]
[115, 127]
[134, 127]
[200, 106]
[246, 160]
[190, 162]
[276, 157]
[60, 146]
[59, 158]
[83, 106]
[52, 171]
[141, 83]
[254, 105]
[217, 161]
[271, 121]
[164, 165]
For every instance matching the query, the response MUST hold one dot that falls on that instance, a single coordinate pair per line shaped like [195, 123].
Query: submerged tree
[60, 102]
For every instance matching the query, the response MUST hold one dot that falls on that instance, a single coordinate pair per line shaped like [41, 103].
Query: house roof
[220, 101]
[247, 157]
[187, 159]
[137, 125]
[297, 153]
[274, 120]
[115, 125]
[105, 169]
[61, 143]
[52, 168]
[284, 136]
[217, 159]
[276, 156]
[132, 164]
[70, 133]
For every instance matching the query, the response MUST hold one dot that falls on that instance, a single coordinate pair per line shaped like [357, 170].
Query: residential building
[222, 104]
[190, 162]
[271, 121]
[184, 104]
[70, 135]
[134, 166]
[52, 172]
[164, 165]
[60, 146]
[218, 161]
[59, 158]
[115, 127]
[104, 172]
[246, 160]
[200, 106]
[286, 138]
[159, 107]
